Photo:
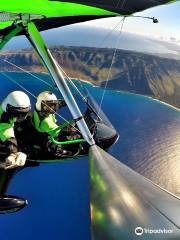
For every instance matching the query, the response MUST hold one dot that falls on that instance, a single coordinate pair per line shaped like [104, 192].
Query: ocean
[94, 37]
[58, 193]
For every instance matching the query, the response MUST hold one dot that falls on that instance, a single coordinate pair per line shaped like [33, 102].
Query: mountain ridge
[131, 71]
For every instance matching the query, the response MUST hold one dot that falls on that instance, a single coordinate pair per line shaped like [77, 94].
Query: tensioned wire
[18, 84]
[33, 75]
[114, 54]
[84, 64]
[68, 78]
[102, 42]
[109, 72]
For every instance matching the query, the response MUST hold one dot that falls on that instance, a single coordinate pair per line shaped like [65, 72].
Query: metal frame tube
[45, 55]
[10, 35]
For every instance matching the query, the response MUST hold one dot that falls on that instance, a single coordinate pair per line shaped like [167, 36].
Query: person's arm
[6, 131]
[49, 126]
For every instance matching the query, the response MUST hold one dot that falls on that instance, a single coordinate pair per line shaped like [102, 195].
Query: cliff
[131, 71]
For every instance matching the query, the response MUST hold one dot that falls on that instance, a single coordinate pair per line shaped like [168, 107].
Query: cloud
[174, 40]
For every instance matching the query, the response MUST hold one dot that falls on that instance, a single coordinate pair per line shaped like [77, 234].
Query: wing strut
[50, 63]
[12, 33]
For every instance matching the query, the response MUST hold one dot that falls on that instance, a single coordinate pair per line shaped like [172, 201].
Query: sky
[168, 27]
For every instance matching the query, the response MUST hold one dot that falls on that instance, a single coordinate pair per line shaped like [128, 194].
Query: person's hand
[21, 159]
[11, 159]
[60, 153]
[15, 160]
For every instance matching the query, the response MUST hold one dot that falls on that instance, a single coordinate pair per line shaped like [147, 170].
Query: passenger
[14, 109]
[45, 122]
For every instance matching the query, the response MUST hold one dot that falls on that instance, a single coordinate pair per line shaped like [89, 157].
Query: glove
[74, 137]
[62, 103]
[60, 153]
[15, 160]
[20, 159]
[11, 159]
[57, 151]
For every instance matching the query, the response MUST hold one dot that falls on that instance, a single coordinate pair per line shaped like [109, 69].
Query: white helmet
[18, 100]
[45, 96]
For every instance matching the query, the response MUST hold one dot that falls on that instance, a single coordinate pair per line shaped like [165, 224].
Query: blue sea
[94, 37]
[58, 193]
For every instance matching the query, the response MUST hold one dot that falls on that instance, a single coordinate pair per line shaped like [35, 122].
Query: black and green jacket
[6, 126]
[48, 124]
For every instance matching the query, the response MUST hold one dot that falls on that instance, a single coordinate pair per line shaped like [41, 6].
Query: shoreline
[82, 80]
[149, 97]
[109, 89]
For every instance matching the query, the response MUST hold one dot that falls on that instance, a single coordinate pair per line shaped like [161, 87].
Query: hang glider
[124, 203]
[47, 14]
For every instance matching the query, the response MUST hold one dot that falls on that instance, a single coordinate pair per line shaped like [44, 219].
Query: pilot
[45, 122]
[13, 110]
[44, 115]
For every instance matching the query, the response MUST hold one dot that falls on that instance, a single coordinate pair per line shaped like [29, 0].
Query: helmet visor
[19, 113]
[50, 106]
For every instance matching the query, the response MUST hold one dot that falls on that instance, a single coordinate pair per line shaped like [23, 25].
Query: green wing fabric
[60, 13]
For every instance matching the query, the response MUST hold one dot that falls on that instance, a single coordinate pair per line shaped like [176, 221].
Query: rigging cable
[109, 72]
[82, 85]
[69, 79]
[52, 87]
[80, 82]
[33, 75]
[99, 45]
[83, 97]
[106, 82]
[18, 84]
[71, 82]
[15, 82]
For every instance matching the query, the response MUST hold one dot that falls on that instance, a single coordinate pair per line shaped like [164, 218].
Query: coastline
[96, 86]
[146, 96]
[84, 81]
